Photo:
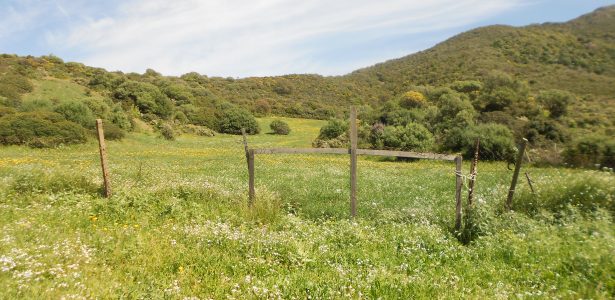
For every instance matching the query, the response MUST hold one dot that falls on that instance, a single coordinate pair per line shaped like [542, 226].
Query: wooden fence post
[245, 141]
[473, 174]
[529, 181]
[513, 184]
[353, 161]
[252, 193]
[250, 160]
[103, 157]
[458, 185]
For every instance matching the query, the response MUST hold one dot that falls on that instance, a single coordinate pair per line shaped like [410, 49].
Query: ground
[178, 226]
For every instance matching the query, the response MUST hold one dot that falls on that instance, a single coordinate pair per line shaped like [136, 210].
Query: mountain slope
[578, 56]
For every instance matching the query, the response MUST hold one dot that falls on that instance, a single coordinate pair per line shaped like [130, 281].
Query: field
[178, 225]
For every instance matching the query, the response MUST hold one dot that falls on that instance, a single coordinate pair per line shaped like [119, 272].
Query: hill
[552, 81]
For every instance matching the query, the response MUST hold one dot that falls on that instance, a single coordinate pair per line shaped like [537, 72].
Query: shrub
[197, 130]
[113, 132]
[232, 120]
[412, 99]
[167, 132]
[39, 129]
[146, 96]
[76, 112]
[333, 129]
[591, 150]
[496, 141]
[279, 127]
[413, 137]
[555, 101]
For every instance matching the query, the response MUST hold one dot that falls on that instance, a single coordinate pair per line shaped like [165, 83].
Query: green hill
[552, 81]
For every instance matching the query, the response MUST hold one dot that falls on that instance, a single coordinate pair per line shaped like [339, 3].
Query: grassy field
[178, 226]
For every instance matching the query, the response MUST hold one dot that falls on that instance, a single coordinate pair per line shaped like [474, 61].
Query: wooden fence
[353, 151]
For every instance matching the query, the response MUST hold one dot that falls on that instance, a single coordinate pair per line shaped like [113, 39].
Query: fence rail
[353, 152]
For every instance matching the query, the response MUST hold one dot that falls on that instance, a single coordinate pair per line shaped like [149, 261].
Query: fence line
[353, 152]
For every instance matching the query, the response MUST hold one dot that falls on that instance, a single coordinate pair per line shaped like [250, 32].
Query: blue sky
[254, 38]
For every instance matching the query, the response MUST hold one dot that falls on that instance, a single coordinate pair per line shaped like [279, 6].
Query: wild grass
[178, 225]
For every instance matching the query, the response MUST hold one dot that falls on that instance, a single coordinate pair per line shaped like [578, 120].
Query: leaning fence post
[353, 161]
[458, 185]
[245, 141]
[252, 193]
[513, 184]
[473, 174]
[103, 157]
[529, 181]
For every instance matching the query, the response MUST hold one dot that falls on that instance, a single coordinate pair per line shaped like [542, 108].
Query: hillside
[549, 82]
[578, 56]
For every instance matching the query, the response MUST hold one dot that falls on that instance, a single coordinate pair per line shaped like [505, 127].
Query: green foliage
[412, 99]
[501, 92]
[556, 101]
[412, 137]
[113, 132]
[167, 131]
[279, 127]
[333, 129]
[496, 141]
[146, 96]
[76, 112]
[586, 193]
[591, 151]
[233, 119]
[12, 86]
[39, 129]
[197, 130]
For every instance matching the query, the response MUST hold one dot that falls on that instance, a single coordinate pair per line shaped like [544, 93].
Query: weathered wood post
[513, 184]
[102, 147]
[529, 181]
[458, 185]
[473, 174]
[353, 161]
[250, 159]
[252, 193]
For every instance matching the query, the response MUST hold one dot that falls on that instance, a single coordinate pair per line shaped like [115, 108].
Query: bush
[232, 120]
[76, 112]
[591, 150]
[496, 141]
[555, 101]
[167, 132]
[146, 96]
[333, 129]
[279, 127]
[412, 99]
[113, 132]
[39, 129]
[412, 137]
[197, 130]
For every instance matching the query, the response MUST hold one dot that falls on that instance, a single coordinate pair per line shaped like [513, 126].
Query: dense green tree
[146, 96]
[555, 101]
[233, 119]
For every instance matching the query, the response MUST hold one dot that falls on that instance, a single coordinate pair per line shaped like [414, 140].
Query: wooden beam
[408, 154]
[301, 151]
[102, 147]
[353, 161]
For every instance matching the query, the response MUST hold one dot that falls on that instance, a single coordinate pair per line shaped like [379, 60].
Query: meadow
[178, 225]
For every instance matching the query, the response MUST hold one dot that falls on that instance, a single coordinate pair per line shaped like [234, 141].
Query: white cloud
[246, 38]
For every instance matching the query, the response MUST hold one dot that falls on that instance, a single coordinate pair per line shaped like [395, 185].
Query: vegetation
[178, 225]
[279, 127]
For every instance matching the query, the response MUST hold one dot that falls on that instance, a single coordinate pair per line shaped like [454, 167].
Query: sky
[232, 38]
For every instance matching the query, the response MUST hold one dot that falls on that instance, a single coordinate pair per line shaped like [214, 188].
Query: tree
[555, 101]
[412, 137]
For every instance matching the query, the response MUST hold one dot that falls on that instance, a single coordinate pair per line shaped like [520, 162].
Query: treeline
[500, 110]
